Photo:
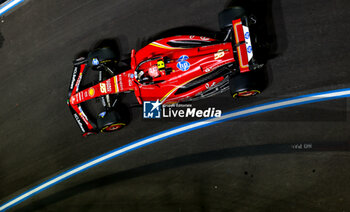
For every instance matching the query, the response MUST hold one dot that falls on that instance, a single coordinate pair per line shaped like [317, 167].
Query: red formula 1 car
[170, 70]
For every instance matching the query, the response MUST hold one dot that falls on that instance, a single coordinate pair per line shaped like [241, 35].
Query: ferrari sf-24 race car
[174, 69]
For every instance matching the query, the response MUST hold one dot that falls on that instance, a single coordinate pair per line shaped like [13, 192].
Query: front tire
[102, 55]
[111, 121]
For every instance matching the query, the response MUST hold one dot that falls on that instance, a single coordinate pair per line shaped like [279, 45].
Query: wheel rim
[246, 93]
[113, 127]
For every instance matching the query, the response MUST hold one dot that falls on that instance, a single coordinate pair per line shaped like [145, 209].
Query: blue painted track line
[8, 5]
[289, 102]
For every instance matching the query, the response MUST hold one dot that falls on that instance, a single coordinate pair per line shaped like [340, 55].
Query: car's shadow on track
[2, 39]
[216, 155]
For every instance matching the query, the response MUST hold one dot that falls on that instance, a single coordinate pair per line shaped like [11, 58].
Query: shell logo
[91, 92]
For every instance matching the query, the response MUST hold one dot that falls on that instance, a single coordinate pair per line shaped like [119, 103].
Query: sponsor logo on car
[103, 88]
[248, 42]
[91, 92]
[95, 61]
[183, 64]
[79, 96]
[102, 115]
[78, 81]
[79, 122]
[120, 82]
[73, 78]
[109, 85]
[249, 49]
[207, 70]
[207, 85]
[247, 35]
[219, 54]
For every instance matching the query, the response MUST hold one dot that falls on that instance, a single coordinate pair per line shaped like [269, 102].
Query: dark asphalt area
[244, 165]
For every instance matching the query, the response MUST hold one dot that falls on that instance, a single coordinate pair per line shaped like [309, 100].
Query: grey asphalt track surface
[244, 165]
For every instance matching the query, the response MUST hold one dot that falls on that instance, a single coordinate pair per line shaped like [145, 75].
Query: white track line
[5, 7]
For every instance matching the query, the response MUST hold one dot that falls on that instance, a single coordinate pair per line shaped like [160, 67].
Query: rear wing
[243, 43]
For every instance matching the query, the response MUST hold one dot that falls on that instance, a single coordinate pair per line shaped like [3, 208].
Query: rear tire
[110, 122]
[229, 14]
[247, 84]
